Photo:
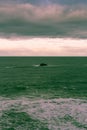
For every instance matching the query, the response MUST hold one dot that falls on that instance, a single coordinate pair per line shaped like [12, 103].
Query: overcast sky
[43, 27]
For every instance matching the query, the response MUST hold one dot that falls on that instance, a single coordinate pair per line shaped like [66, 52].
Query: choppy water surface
[53, 97]
[52, 114]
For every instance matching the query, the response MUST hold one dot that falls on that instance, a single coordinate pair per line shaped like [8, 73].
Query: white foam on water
[59, 114]
[9, 67]
[36, 65]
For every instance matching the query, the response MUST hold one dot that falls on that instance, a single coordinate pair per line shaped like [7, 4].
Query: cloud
[53, 20]
[43, 47]
[45, 2]
[60, 51]
[16, 52]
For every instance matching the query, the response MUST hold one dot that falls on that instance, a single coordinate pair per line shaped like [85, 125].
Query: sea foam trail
[59, 114]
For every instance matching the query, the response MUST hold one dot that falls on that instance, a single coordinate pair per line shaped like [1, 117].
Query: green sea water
[63, 77]
[52, 97]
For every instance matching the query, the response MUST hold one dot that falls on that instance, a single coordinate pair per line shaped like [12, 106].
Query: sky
[43, 27]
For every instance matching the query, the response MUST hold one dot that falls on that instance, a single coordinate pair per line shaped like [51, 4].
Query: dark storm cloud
[53, 20]
[44, 2]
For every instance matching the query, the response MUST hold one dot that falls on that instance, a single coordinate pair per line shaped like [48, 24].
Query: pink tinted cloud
[43, 47]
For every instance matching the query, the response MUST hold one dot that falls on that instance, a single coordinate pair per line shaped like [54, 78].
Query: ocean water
[52, 97]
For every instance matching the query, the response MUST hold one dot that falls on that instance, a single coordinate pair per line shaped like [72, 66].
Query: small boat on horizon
[41, 64]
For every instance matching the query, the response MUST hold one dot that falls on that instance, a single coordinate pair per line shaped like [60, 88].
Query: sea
[43, 93]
